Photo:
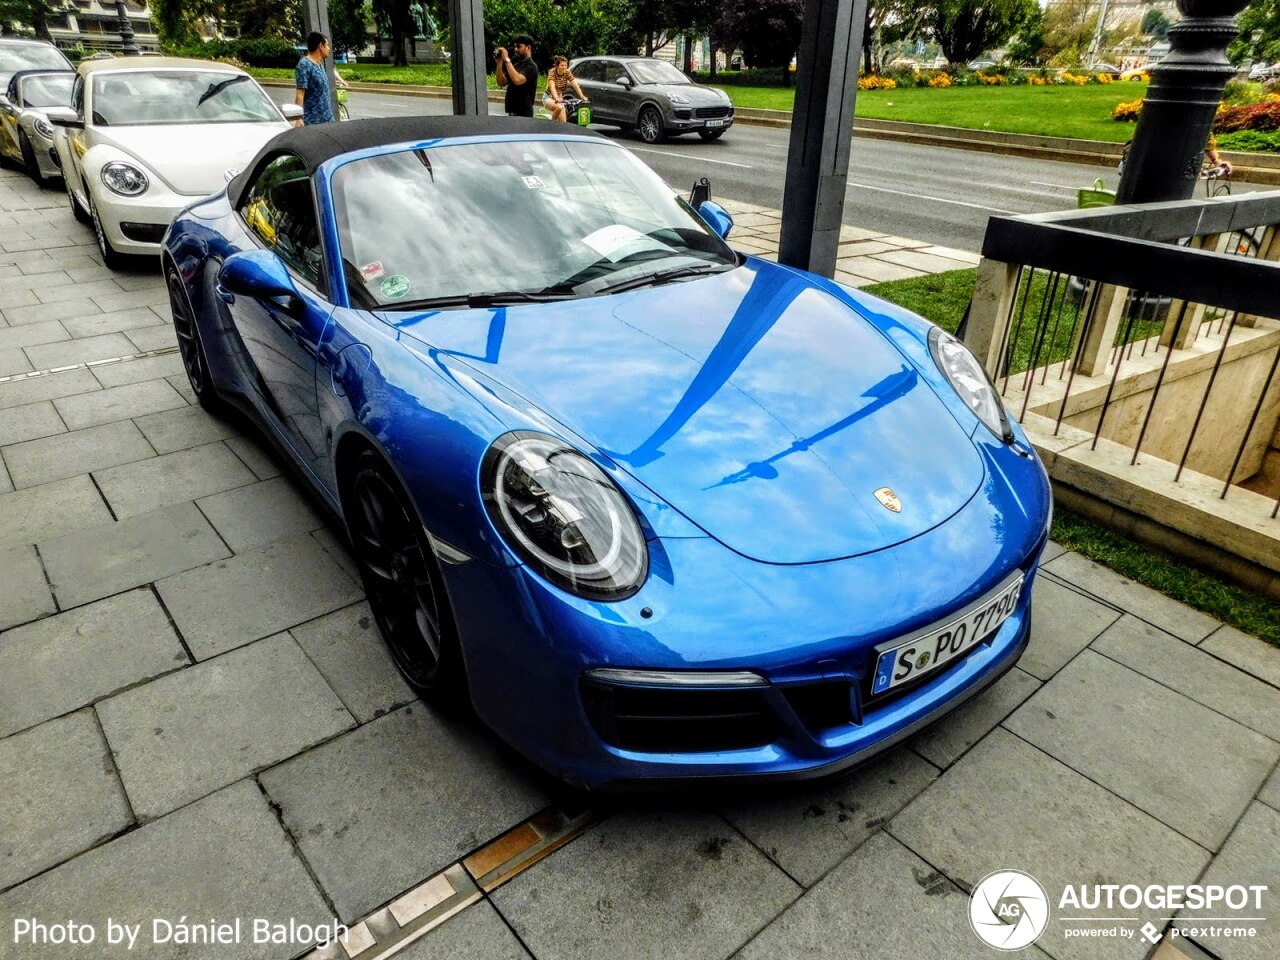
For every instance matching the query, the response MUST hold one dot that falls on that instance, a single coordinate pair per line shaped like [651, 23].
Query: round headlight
[43, 127]
[564, 516]
[970, 382]
[124, 179]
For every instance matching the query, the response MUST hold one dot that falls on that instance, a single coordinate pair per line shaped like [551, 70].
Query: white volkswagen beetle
[144, 138]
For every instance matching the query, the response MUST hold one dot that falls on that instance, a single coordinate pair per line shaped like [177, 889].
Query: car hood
[192, 159]
[762, 407]
[697, 95]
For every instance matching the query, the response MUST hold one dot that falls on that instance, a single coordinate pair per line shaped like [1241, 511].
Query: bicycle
[343, 91]
[578, 109]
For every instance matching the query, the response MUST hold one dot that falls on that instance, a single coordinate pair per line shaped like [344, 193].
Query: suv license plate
[715, 123]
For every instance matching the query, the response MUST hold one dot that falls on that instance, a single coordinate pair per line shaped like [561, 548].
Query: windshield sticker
[534, 183]
[394, 287]
[372, 271]
[619, 241]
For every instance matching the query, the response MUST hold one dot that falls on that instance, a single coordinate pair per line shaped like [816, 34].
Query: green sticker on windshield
[394, 287]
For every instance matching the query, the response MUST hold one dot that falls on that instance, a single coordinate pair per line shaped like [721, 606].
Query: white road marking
[1056, 186]
[691, 156]
[925, 196]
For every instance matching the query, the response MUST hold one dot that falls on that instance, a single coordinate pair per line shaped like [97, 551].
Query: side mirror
[259, 274]
[625, 81]
[64, 117]
[717, 218]
[291, 111]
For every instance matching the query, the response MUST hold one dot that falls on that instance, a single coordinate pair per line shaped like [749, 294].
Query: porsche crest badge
[889, 500]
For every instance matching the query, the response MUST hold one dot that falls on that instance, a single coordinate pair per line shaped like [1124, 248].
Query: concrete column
[469, 63]
[988, 327]
[1103, 324]
[821, 130]
[315, 18]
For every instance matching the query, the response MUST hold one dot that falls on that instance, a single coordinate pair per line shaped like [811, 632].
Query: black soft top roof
[320, 142]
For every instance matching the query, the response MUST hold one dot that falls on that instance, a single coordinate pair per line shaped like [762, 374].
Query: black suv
[652, 97]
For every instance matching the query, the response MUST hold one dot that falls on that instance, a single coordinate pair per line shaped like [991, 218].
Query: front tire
[403, 581]
[650, 125]
[190, 346]
[111, 258]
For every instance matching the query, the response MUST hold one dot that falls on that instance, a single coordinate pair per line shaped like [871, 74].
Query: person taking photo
[518, 76]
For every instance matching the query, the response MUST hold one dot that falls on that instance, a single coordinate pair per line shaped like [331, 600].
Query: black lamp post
[127, 44]
[1186, 86]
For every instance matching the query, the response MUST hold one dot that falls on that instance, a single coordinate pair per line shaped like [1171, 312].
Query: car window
[145, 98]
[11, 91]
[280, 212]
[77, 97]
[613, 71]
[656, 71]
[29, 56]
[589, 70]
[47, 90]
[554, 218]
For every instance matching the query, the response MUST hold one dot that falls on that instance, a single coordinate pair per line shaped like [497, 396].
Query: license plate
[909, 659]
[715, 123]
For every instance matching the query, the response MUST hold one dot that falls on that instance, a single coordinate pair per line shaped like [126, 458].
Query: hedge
[260, 52]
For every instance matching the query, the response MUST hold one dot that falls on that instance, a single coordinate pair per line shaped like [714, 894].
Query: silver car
[652, 97]
[26, 135]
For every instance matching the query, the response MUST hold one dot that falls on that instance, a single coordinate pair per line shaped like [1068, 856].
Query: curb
[1251, 167]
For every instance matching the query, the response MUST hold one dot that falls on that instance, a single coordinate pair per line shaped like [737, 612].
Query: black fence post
[821, 129]
[1186, 86]
[468, 63]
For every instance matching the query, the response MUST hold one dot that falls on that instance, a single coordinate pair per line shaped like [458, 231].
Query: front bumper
[691, 119]
[136, 225]
[46, 155]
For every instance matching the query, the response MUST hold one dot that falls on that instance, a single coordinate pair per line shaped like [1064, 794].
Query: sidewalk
[198, 720]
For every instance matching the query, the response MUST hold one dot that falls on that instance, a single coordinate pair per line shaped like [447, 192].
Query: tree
[888, 21]
[1261, 17]
[392, 18]
[1028, 47]
[1155, 24]
[965, 28]
[35, 14]
[575, 29]
[349, 24]
[768, 31]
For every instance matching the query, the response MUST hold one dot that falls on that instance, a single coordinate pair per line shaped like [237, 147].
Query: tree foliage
[1155, 24]
[575, 29]
[348, 24]
[767, 31]
[965, 28]
[34, 14]
[1262, 17]
[1029, 47]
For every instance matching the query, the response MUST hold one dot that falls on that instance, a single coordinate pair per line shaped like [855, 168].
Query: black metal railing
[1087, 309]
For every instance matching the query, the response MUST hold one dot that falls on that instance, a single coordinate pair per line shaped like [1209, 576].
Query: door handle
[225, 295]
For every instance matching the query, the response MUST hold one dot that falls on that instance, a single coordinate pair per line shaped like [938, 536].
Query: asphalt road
[920, 192]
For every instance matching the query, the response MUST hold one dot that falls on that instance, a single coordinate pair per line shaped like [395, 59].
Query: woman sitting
[560, 80]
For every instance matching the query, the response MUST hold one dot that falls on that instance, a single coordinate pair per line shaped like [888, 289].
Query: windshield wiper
[662, 276]
[217, 88]
[501, 298]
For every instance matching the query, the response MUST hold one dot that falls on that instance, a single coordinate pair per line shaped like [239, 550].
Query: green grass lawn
[942, 298]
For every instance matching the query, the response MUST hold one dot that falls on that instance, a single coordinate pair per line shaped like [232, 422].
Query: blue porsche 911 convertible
[655, 509]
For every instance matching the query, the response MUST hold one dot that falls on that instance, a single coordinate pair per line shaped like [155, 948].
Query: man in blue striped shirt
[312, 83]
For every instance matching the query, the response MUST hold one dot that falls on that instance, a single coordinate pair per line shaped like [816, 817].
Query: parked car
[976, 65]
[1137, 74]
[652, 97]
[22, 54]
[144, 138]
[1110, 69]
[26, 136]
[1264, 71]
[654, 508]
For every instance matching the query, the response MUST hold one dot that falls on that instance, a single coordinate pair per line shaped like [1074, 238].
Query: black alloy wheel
[650, 125]
[29, 160]
[190, 347]
[403, 582]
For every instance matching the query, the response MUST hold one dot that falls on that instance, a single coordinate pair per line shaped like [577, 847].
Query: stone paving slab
[647, 885]
[183, 428]
[64, 662]
[39, 312]
[26, 595]
[882, 902]
[31, 422]
[61, 796]
[187, 734]
[1063, 622]
[19, 393]
[118, 322]
[12, 338]
[1192, 672]
[477, 933]
[97, 562]
[118, 403]
[349, 651]
[1148, 744]
[153, 338]
[809, 830]
[394, 801]
[1270, 793]
[948, 739]
[173, 478]
[1250, 654]
[1249, 858]
[6, 485]
[1008, 805]
[14, 361]
[232, 602]
[135, 371]
[223, 857]
[39, 513]
[79, 451]
[1167, 614]
[260, 513]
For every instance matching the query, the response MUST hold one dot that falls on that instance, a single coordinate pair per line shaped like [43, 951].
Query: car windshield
[656, 71]
[50, 90]
[458, 224]
[144, 98]
[28, 56]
